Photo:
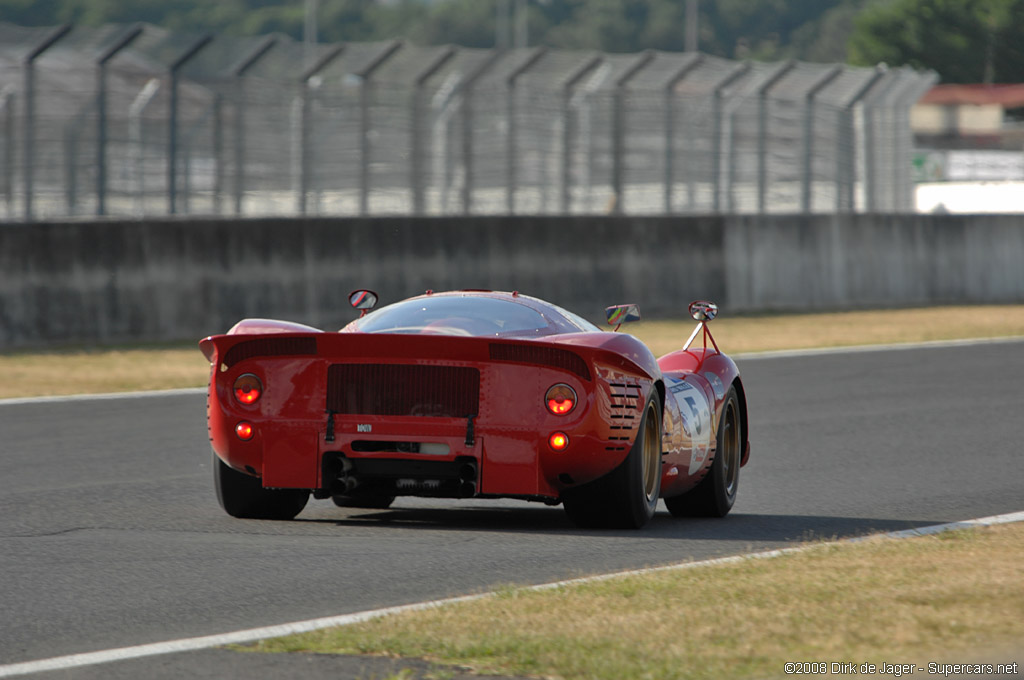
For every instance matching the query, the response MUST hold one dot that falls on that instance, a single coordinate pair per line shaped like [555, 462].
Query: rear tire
[243, 496]
[628, 496]
[715, 494]
[586, 505]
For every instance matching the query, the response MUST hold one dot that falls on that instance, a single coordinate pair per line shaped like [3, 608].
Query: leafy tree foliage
[730, 28]
[965, 41]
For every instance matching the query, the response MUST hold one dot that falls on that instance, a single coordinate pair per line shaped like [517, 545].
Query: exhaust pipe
[467, 473]
[467, 480]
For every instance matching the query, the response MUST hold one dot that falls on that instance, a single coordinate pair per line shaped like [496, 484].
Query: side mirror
[364, 300]
[620, 314]
[701, 310]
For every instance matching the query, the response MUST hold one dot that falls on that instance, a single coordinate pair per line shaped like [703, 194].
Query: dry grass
[31, 374]
[97, 370]
[950, 597]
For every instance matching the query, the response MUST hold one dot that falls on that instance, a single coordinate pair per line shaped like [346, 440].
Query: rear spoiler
[228, 350]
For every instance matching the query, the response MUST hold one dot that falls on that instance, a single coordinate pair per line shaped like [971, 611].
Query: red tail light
[244, 431]
[560, 399]
[248, 389]
[559, 441]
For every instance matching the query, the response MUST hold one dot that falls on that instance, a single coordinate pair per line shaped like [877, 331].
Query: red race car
[474, 394]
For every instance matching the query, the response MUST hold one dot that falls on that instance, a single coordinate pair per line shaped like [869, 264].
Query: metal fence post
[762, 132]
[365, 94]
[716, 136]
[28, 136]
[305, 160]
[7, 106]
[889, 179]
[70, 174]
[186, 199]
[898, 102]
[416, 136]
[72, 134]
[903, 186]
[512, 138]
[807, 173]
[101, 114]
[618, 131]
[172, 134]
[567, 128]
[692, 62]
[846, 164]
[874, 109]
[237, 74]
[135, 129]
[467, 126]
[218, 151]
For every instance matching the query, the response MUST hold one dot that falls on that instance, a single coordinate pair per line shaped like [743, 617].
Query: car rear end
[395, 414]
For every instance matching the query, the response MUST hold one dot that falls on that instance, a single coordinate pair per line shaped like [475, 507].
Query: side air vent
[624, 400]
[555, 357]
[270, 347]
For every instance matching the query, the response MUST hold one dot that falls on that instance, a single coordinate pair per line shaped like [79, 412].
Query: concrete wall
[103, 282]
[850, 261]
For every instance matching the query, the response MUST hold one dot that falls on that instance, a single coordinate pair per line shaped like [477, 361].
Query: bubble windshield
[469, 316]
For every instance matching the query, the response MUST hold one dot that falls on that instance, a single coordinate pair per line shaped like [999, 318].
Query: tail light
[248, 389]
[244, 431]
[559, 441]
[560, 399]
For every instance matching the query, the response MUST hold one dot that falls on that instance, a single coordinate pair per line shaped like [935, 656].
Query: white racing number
[696, 416]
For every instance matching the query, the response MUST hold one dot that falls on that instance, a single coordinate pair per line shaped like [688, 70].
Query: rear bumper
[506, 462]
[456, 478]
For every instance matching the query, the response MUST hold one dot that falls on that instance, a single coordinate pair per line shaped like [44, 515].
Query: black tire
[715, 494]
[628, 496]
[243, 496]
[367, 501]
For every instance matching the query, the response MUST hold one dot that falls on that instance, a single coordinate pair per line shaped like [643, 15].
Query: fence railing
[133, 121]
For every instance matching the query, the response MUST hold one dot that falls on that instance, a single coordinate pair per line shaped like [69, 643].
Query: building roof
[1008, 96]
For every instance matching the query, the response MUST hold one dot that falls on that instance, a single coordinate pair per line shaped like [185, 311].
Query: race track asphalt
[110, 534]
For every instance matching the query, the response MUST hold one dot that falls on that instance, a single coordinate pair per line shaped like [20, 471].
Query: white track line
[101, 397]
[857, 349]
[254, 634]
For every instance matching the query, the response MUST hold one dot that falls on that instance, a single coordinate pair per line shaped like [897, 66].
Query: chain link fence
[132, 121]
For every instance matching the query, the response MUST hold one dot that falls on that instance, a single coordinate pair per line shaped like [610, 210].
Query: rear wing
[575, 353]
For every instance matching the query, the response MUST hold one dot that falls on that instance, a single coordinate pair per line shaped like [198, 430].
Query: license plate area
[427, 448]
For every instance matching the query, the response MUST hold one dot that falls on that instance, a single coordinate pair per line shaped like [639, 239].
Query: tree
[469, 23]
[737, 29]
[825, 39]
[965, 41]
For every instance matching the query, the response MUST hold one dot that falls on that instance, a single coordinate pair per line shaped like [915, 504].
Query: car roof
[543, 307]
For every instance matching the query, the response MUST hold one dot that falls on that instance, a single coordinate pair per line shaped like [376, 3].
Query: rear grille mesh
[403, 390]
